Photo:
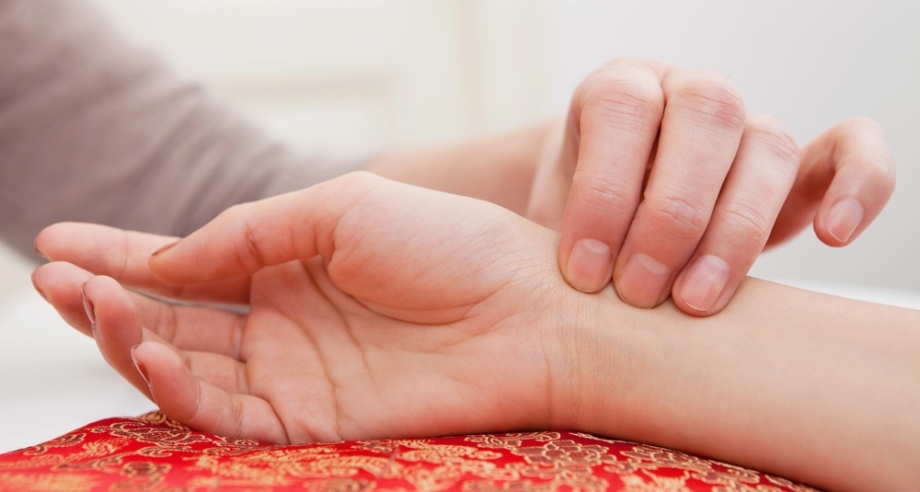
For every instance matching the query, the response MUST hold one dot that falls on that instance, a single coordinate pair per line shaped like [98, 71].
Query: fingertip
[109, 312]
[36, 283]
[181, 396]
[172, 386]
[644, 282]
[55, 238]
[164, 248]
[99, 286]
[59, 284]
[160, 264]
[589, 266]
[841, 222]
[90, 309]
[141, 367]
[115, 326]
[43, 239]
[701, 288]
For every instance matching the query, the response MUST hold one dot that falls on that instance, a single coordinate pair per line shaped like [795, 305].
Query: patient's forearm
[499, 169]
[812, 387]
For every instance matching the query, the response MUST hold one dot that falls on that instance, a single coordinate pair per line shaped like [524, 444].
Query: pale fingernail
[35, 285]
[589, 267]
[140, 366]
[89, 308]
[164, 248]
[35, 246]
[705, 282]
[844, 218]
[643, 281]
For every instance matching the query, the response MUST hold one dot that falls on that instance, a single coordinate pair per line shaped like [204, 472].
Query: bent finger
[862, 184]
[700, 135]
[201, 406]
[613, 123]
[59, 283]
[846, 177]
[111, 308]
[123, 255]
[752, 196]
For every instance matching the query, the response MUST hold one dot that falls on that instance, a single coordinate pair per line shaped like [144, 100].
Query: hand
[407, 312]
[659, 180]
[374, 310]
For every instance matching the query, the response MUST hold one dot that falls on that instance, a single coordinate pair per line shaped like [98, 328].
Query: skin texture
[359, 320]
[368, 309]
[659, 180]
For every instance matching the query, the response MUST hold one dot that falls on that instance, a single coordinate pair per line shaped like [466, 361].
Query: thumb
[248, 237]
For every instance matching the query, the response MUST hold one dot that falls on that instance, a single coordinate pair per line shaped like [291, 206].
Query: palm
[383, 338]
[333, 368]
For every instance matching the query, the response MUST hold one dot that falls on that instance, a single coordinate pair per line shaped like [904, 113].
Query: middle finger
[700, 134]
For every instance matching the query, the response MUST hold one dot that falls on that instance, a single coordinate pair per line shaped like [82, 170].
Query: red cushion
[155, 452]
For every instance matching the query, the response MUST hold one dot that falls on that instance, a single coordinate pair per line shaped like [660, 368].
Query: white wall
[808, 63]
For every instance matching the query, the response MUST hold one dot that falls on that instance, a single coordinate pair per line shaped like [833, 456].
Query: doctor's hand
[370, 309]
[660, 181]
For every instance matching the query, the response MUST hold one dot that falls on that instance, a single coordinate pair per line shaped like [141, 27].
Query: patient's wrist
[603, 347]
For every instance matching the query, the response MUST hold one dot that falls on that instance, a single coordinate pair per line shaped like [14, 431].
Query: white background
[352, 76]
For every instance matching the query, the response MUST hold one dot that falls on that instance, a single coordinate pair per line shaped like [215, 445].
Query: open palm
[372, 310]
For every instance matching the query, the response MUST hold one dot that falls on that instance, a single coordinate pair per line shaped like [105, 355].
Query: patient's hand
[393, 311]
[405, 312]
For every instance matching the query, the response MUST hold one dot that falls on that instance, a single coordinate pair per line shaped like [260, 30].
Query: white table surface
[52, 379]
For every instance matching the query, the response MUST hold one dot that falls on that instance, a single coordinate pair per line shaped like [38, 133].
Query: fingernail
[164, 248]
[140, 366]
[705, 282]
[643, 281]
[844, 218]
[89, 308]
[35, 286]
[35, 246]
[589, 267]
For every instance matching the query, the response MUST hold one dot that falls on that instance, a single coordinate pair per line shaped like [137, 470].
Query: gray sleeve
[95, 129]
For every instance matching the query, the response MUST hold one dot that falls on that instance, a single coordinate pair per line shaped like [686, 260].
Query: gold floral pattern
[155, 453]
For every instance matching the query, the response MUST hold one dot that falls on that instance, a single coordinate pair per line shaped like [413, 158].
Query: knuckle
[671, 216]
[615, 97]
[862, 124]
[888, 179]
[876, 170]
[771, 135]
[123, 256]
[880, 174]
[622, 61]
[627, 63]
[601, 197]
[249, 254]
[746, 223]
[716, 102]
[357, 188]
[357, 182]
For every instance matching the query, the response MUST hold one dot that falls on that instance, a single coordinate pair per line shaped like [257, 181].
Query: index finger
[248, 237]
[123, 255]
[618, 112]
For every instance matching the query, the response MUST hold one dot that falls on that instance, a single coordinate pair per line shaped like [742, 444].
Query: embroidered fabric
[154, 452]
